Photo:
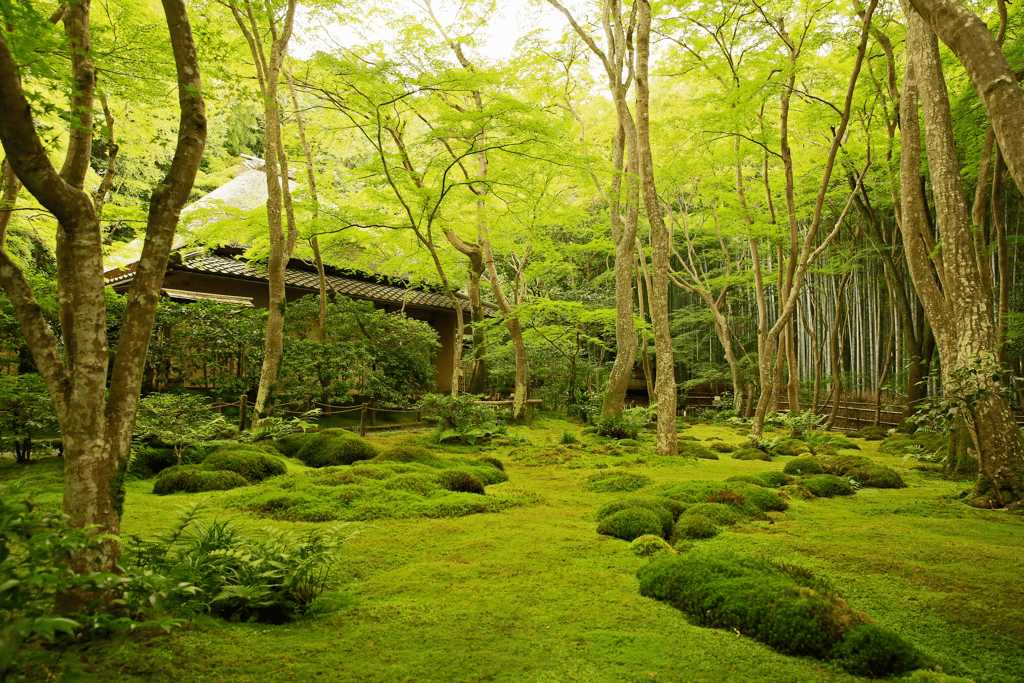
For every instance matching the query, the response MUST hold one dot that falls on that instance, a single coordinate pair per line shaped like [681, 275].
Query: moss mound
[927, 442]
[409, 453]
[193, 479]
[866, 471]
[460, 480]
[331, 447]
[791, 613]
[420, 483]
[692, 449]
[255, 465]
[693, 527]
[804, 465]
[826, 485]
[630, 524]
[290, 444]
[721, 447]
[719, 513]
[872, 651]
[649, 545]
[148, 461]
[750, 453]
[616, 481]
[666, 510]
[791, 447]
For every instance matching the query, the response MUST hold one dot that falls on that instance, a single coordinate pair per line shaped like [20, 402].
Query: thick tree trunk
[665, 381]
[960, 312]
[96, 421]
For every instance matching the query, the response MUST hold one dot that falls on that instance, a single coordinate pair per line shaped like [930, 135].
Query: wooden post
[362, 421]
[419, 416]
[241, 413]
[373, 416]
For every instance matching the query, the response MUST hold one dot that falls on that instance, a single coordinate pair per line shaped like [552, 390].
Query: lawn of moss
[533, 593]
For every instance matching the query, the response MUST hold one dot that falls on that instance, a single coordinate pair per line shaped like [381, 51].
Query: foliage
[666, 509]
[193, 479]
[807, 464]
[694, 527]
[385, 357]
[148, 461]
[616, 481]
[461, 481]
[749, 453]
[177, 419]
[792, 614]
[649, 545]
[625, 427]
[26, 412]
[253, 465]
[631, 523]
[826, 485]
[270, 576]
[460, 419]
[569, 437]
[35, 547]
[277, 428]
[335, 447]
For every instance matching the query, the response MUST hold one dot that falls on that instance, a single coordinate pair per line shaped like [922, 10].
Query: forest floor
[535, 594]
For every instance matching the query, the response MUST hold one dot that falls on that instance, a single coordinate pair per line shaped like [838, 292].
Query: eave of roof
[227, 267]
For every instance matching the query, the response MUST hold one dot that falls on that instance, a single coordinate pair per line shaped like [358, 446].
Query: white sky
[513, 20]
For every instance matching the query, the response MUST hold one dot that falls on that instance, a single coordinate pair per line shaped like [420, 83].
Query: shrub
[694, 527]
[791, 447]
[269, 576]
[730, 591]
[408, 453]
[616, 481]
[874, 433]
[649, 545]
[290, 444]
[461, 481]
[329, 447]
[655, 505]
[870, 650]
[569, 437]
[421, 483]
[750, 453]
[826, 485]
[630, 524]
[148, 461]
[193, 479]
[721, 515]
[803, 466]
[254, 465]
[626, 427]
[689, 449]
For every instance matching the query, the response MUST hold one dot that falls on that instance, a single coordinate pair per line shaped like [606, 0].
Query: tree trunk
[665, 381]
[96, 420]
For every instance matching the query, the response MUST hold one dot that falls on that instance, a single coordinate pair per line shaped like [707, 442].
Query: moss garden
[539, 558]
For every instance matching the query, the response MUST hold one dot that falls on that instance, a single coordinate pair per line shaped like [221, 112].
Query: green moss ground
[535, 594]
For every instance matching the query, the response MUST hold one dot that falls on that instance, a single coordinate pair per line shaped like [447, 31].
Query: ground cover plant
[534, 593]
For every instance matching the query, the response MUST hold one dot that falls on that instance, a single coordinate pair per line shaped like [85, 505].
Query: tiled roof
[389, 294]
[245, 301]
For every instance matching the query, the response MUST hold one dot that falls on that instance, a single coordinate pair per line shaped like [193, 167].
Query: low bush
[804, 465]
[873, 433]
[826, 485]
[872, 651]
[569, 437]
[659, 506]
[193, 479]
[631, 523]
[794, 615]
[460, 481]
[335, 447]
[693, 527]
[689, 449]
[269, 576]
[791, 447]
[290, 444]
[148, 461]
[649, 545]
[719, 513]
[750, 453]
[254, 465]
[616, 481]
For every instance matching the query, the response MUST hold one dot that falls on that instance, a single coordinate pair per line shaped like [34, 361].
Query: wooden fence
[852, 415]
[367, 412]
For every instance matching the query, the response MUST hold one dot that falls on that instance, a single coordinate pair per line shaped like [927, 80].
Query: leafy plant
[269, 575]
[35, 547]
[26, 412]
[459, 419]
[570, 437]
[177, 420]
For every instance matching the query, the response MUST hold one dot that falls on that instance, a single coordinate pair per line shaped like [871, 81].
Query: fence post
[362, 420]
[373, 416]
[419, 416]
[241, 413]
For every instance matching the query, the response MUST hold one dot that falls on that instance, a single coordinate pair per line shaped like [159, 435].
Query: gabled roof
[372, 291]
